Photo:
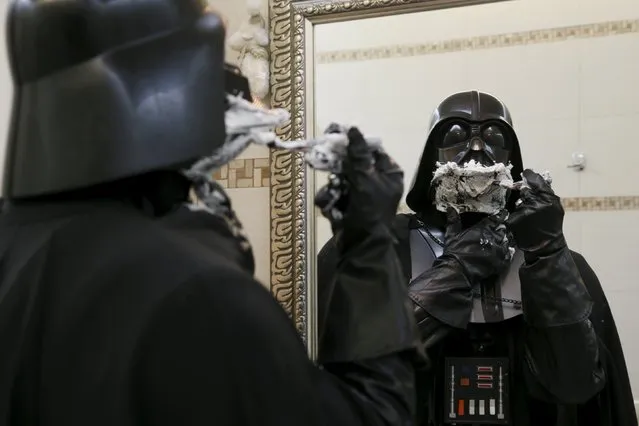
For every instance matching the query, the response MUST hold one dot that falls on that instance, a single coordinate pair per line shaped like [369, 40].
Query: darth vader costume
[523, 339]
[124, 303]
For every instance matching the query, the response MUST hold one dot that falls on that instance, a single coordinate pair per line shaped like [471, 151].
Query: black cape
[109, 317]
[613, 406]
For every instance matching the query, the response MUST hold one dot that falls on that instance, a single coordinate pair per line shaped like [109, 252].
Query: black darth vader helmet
[109, 89]
[465, 126]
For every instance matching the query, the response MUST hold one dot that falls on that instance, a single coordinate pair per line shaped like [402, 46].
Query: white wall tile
[334, 104]
[609, 69]
[547, 145]
[609, 243]
[415, 28]
[609, 10]
[611, 154]
[521, 15]
[424, 27]
[573, 230]
[535, 80]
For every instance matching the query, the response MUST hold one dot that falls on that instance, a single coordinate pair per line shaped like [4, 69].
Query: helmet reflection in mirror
[470, 157]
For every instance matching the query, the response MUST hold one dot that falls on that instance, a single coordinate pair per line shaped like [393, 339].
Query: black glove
[552, 289]
[482, 250]
[537, 222]
[470, 257]
[368, 313]
[368, 191]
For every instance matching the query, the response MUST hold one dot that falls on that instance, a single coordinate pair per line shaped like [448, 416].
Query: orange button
[460, 407]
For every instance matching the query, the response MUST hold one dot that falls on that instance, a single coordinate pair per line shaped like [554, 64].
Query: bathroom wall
[247, 178]
[567, 70]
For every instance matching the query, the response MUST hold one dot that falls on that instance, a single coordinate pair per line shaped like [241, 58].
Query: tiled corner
[245, 173]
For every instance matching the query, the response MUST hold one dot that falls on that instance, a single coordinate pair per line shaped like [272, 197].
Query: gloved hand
[537, 222]
[482, 250]
[444, 291]
[368, 192]
[552, 289]
[367, 313]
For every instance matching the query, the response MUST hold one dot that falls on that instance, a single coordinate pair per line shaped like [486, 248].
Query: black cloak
[111, 317]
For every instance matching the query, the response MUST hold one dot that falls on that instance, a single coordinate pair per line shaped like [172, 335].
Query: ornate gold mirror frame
[292, 55]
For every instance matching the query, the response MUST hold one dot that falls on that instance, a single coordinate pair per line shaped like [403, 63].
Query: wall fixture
[252, 41]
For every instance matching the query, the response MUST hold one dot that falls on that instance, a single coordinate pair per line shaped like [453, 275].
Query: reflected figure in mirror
[516, 327]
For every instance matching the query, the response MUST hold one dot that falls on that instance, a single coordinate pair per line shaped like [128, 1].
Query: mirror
[567, 72]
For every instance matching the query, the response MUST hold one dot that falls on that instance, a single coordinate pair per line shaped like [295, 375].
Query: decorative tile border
[591, 204]
[577, 204]
[245, 173]
[550, 35]
[585, 204]
[255, 173]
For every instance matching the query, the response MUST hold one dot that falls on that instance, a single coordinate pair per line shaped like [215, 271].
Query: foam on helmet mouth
[472, 187]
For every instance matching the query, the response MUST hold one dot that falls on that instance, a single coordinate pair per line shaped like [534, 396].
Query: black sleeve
[327, 261]
[614, 405]
[222, 351]
[563, 363]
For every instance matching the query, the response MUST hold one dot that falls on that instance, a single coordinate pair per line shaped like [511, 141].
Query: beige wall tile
[247, 181]
[247, 178]
[245, 173]
[251, 207]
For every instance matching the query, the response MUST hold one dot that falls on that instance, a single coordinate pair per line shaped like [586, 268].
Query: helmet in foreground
[106, 90]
